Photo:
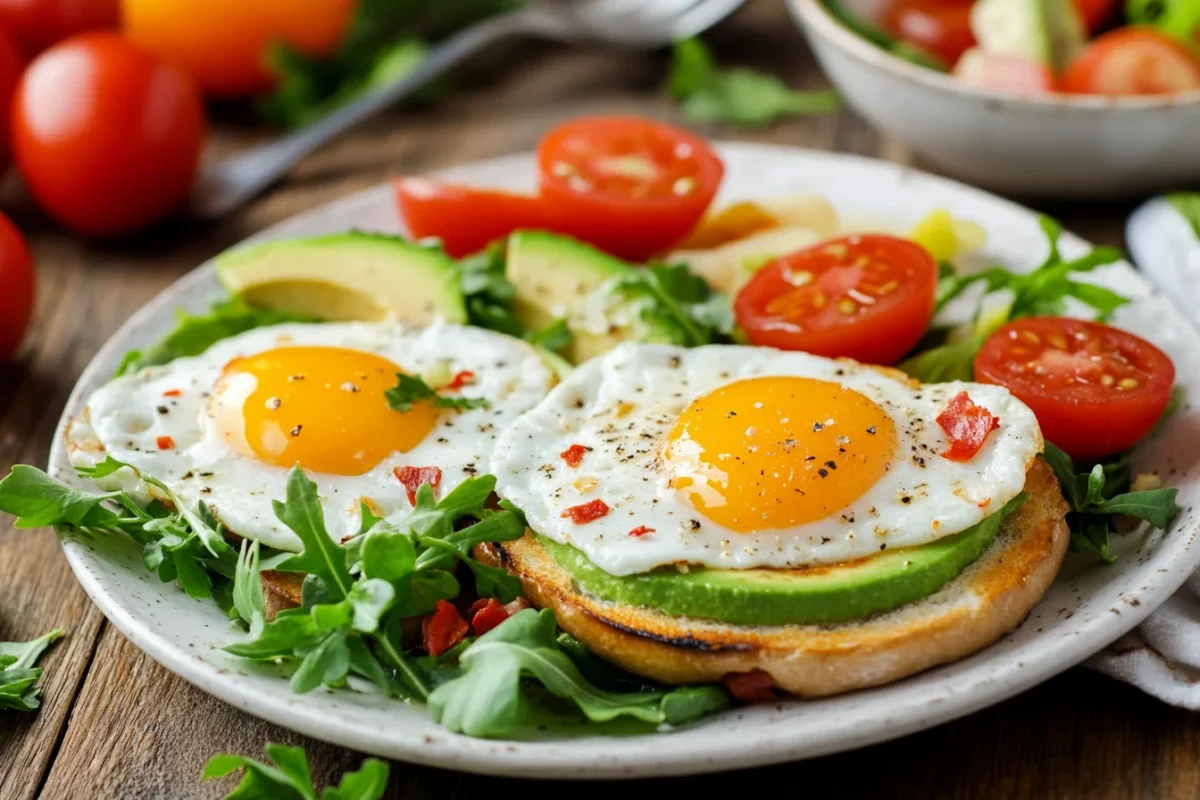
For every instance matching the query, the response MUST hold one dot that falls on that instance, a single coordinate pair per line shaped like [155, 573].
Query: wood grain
[116, 725]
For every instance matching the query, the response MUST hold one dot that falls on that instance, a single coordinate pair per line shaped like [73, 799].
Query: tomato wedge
[1096, 389]
[866, 297]
[632, 187]
[941, 28]
[466, 219]
[1132, 61]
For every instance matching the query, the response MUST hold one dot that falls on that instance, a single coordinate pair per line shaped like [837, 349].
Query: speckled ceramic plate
[1088, 607]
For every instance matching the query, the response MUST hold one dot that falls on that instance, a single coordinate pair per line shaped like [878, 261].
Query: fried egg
[741, 457]
[226, 426]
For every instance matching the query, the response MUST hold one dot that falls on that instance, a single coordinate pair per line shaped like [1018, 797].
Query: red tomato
[11, 66]
[1096, 390]
[107, 137]
[465, 219]
[864, 297]
[1132, 61]
[630, 186]
[966, 426]
[939, 27]
[1003, 73]
[37, 24]
[1096, 13]
[16, 288]
[442, 629]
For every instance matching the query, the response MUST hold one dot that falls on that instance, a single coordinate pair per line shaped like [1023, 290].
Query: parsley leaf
[737, 96]
[490, 295]
[1188, 204]
[680, 303]
[19, 673]
[288, 777]
[411, 389]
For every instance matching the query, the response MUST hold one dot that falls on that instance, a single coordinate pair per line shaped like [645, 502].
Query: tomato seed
[1107, 380]
[801, 278]
[847, 306]
[1128, 383]
[1030, 337]
[1057, 341]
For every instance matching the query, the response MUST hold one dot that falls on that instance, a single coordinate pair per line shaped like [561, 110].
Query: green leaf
[37, 500]
[554, 337]
[263, 781]
[423, 590]
[363, 662]
[1188, 204]
[368, 783]
[19, 673]
[370, 599]
[201, 521]
[411, 389]
[102, 470]
[1064, 470]
[326, 663]
[690, 703]
[368, 519]
[737, 96]
[192, 576]
[247, 589]
[388, 554]
[948, 362]
[292, 762]
[279, 638]
[1156, 506]
[321, 556]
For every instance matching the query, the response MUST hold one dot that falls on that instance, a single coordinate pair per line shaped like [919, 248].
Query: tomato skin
[880, 332]
[224, 44]
[1004, 73]
[939, 27]
[1080, 410]
[466, 219]
[37, 24]
[1132, 61]
[630, 214]
[107, 137]
[17, 283]
[11, 67]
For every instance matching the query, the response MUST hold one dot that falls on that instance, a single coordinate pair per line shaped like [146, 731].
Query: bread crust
[990, 598]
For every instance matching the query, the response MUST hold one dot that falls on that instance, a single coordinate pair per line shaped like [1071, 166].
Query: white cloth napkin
[1162, 656]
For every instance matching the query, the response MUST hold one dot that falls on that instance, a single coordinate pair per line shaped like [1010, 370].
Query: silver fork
[636, 24]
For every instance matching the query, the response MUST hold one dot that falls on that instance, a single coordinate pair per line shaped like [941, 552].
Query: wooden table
[115, 724]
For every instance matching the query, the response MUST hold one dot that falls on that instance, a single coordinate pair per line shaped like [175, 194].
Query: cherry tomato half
[1132, 61]
[466, 219]
[630, 186]
[37, 24]
[1004, 73]
[1095, 389]
[864, 297]
[16, 288]
[941, 28]
[107, 137]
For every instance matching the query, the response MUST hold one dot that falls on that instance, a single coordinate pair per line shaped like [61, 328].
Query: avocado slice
[557, 277]
[1049, 32]
[347, 276]
[815, 595]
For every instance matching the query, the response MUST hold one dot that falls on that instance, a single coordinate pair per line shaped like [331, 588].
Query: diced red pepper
[442, 629]
[172, 393]
[750, 687]
[641, 530]
[486, 614]
[415, 477]
[590, 511]
[573, 455]
[460, 380]
[966, 426]
[165, 443]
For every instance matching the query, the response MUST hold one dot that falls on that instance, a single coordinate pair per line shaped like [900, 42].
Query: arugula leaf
[1188, 204]
[678, 300]
[37, 500]
[411, 389]
[321, 555]
[194, 334]
[247, 589]
[327, 662]
[489, 698]
[19, 673]
[738, 96]
[288, 777]
[490, 294]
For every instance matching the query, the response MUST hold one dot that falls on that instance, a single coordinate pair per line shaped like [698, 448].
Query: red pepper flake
[165, 443]
[464, 378]
[573, 455]
[750, 687]
[442, 629]
[486, 614]
[966, 426]
[590, 511]
[172, 393]
[641, 530]
[414, 477]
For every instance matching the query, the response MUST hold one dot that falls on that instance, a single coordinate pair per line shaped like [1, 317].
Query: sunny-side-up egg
[226, 426]
[741, 457]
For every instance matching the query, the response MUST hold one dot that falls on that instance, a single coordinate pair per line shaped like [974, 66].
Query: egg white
[921, 498]
[125, 418]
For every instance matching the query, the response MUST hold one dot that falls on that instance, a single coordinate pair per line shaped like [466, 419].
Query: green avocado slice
[840, 592]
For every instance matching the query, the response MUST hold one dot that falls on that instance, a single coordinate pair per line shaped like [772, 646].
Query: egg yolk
[777, 452]
[324, 408]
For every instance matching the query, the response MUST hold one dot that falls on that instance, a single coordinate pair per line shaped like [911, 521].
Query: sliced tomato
[632, 187]
[1132, 61]
[17, 285]
[941, 28]
[442, 629]
[1003, 73]
[1095, 389]
[466, 219]
[864, 297]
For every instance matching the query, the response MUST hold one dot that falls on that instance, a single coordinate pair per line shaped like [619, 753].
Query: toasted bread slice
[988, 599]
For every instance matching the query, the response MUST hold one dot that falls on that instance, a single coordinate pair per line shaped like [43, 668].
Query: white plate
[1088, 607]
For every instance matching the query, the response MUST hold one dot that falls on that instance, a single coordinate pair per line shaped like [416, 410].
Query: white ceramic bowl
[1052, 146]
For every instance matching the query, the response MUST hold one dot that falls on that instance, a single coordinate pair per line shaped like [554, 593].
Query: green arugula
[1044, 291]
[1097, 495]
[489, 698]
[1188, 204]
[288, 777]
[411, 389]
[737, 96]
[195, 333]
[19, 674]
[676, 299]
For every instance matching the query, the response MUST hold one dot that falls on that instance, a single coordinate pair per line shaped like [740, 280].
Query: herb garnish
[19, 674]
[411, 389]
[288, 777]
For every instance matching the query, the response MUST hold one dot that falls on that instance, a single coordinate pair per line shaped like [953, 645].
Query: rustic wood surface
[115, 724]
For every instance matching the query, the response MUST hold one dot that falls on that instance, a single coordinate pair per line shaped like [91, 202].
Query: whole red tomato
[16, 288]
[941, 28]
[107, 137]
[11, 65]
[37, 24]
